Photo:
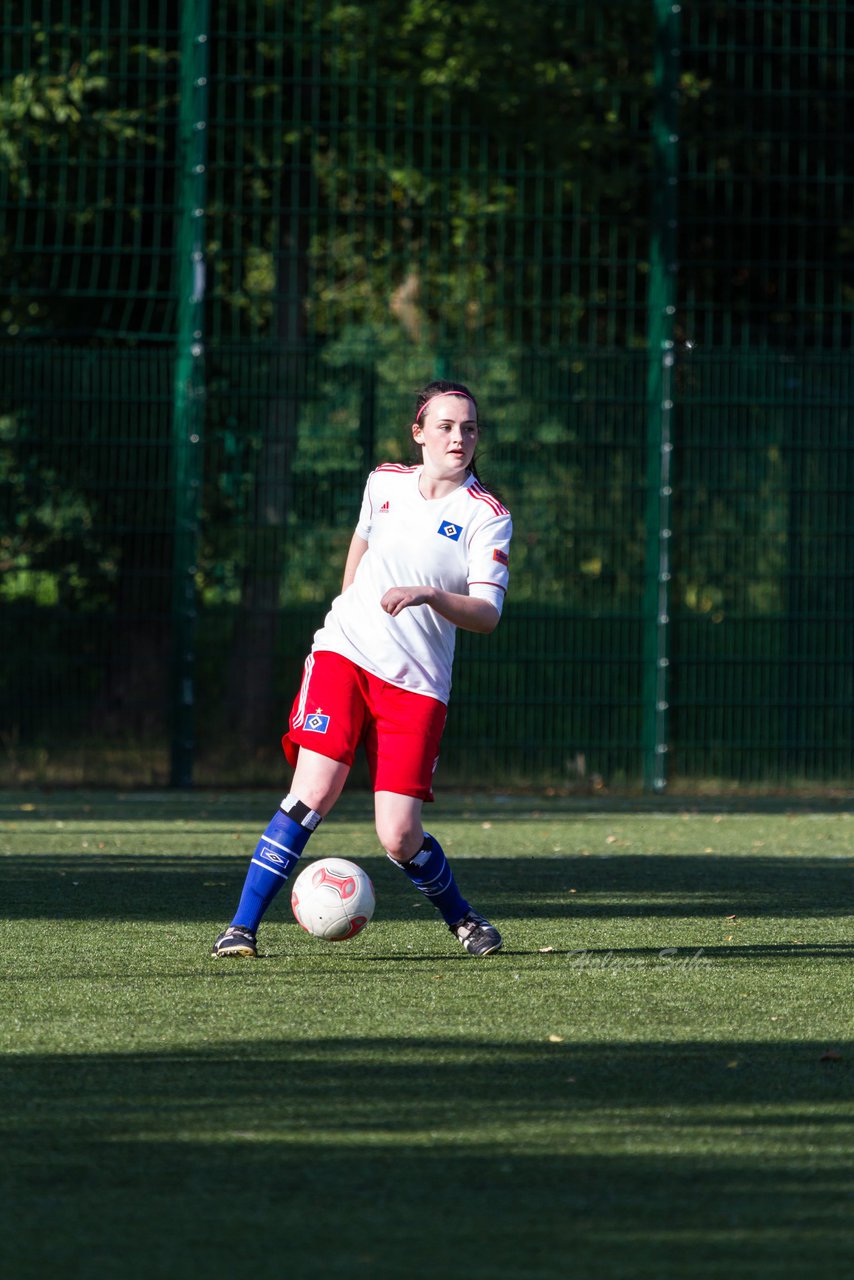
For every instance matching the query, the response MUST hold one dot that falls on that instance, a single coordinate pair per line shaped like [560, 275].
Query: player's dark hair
[441, 387]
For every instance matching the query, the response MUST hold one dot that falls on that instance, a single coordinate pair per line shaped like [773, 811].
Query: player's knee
[401, 840]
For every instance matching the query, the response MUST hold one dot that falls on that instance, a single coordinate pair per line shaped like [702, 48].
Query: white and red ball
[333, 899]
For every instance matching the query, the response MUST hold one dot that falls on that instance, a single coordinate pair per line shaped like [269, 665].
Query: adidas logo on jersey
[384, 508]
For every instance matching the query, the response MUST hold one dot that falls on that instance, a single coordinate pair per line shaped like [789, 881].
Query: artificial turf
[653, 1079]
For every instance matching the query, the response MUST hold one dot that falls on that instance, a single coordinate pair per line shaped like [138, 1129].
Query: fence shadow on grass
[386, 1157]
[107, 885]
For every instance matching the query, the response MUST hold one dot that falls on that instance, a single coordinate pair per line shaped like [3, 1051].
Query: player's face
[448, 431]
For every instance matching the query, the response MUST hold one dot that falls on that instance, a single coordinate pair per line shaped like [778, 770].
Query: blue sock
[274, 859]
[431, 874]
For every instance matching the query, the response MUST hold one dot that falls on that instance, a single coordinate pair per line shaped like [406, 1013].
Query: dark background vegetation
[395, 191]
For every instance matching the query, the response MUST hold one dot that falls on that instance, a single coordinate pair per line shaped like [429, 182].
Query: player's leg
[402, 745]
[326, 723]
[418, 854]
[280, 847]
[422, 859]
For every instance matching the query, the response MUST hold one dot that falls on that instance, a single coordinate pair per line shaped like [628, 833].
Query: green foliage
[76, 493]
[52, 552]
[71, 119]
[397, 190]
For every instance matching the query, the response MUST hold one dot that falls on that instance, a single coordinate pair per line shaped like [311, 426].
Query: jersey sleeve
[366, 512]
[489, 560]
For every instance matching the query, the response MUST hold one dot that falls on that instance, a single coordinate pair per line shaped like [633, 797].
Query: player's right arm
[358, 547]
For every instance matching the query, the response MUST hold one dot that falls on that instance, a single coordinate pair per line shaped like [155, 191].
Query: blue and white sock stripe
[431, 874]
[438, 884]
[283, 875]
[278, 864]
[284, 848]
[276, 860]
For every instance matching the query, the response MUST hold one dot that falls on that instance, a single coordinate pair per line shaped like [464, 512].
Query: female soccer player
[429, 554]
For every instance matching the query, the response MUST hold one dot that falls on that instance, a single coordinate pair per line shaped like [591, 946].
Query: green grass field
[654, 1079]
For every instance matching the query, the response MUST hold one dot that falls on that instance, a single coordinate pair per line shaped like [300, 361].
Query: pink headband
[439, 395]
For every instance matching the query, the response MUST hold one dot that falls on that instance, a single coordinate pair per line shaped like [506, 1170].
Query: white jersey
[457, 543]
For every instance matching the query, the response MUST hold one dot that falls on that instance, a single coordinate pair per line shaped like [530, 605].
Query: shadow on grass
[425, 1158]
[74, 886]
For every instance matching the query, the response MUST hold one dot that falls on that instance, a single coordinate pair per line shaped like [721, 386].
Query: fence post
[188, 405]
[660, 330]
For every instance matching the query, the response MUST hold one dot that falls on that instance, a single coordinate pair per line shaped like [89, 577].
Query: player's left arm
[468, 612]
[488, 572]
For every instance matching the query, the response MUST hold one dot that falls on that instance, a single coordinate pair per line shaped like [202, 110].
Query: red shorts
[340, 705]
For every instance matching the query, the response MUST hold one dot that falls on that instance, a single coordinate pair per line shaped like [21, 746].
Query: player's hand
[396, 599]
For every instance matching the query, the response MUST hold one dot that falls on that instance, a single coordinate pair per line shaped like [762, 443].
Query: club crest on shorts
[316, 723]
[452, 531]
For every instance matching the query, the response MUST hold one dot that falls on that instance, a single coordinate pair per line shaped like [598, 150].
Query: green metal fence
[238, 236]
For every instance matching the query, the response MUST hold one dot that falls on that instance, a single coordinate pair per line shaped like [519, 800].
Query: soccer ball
[333, 899]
